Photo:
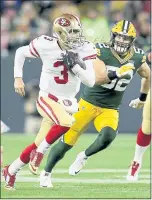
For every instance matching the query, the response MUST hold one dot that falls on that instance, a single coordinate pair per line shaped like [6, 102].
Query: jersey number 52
[118, 85]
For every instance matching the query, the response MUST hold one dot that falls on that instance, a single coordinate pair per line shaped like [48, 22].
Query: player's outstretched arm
[144, 72]
[102, 76]
[20, 55]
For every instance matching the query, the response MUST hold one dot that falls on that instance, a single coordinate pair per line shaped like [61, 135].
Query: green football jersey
[110, 95]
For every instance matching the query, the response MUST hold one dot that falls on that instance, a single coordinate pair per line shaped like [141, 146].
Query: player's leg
[62, 121]
[10, 172]
[83, 117]
[106, 124]
[142, 143]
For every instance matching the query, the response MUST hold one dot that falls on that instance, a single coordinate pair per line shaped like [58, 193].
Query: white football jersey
[55, 77]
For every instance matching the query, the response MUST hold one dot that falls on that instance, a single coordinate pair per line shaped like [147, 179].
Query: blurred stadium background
[21, 21]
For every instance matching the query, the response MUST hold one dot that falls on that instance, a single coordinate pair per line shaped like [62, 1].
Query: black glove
[70, 59]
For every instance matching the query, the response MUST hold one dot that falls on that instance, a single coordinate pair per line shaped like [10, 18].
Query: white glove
[136, 103]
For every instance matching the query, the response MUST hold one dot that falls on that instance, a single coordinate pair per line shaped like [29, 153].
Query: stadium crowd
[21, 21]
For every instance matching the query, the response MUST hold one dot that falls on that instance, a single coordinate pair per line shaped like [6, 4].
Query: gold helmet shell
[68, 29]
[124, 27]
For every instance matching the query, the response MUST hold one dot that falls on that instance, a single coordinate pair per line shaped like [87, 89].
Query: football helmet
[68, 29]
[123, 35]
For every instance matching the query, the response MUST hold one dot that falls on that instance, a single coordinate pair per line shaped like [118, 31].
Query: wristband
[142, 97]
[112, 75]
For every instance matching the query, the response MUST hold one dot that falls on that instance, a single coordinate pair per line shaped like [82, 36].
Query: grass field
[103, 176]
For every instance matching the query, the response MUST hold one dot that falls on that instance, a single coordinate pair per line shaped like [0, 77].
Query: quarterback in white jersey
[58, 83]
[56, 80]
[55, 76]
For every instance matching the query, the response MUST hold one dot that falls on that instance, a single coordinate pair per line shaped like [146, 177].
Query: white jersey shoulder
[87, 51]
[42, 44]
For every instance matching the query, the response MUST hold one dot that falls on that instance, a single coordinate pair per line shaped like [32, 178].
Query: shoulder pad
[102, 45]
[88, 51]
[138, 50]
[89, 46]
[102, 49]
[40, 44]
[45, 41]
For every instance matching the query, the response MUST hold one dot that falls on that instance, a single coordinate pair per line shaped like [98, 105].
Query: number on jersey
[116, 84]
[63, 79]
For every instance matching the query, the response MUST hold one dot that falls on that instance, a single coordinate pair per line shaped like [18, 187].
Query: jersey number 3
[64, 72]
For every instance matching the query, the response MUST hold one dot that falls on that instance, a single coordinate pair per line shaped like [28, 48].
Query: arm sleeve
[87, 76]
[29, 51]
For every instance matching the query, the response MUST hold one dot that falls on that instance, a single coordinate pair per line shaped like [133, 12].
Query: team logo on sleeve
[64, 22]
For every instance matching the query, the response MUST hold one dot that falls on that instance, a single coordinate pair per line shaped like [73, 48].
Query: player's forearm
[20, 55]
[100, 72]
[145, 85]
[87, 76]
[145, 73]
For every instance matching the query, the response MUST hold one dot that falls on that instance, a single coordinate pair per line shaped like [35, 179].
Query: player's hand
[124, 70]
[70, 59]
[19, 86]
[136, 103]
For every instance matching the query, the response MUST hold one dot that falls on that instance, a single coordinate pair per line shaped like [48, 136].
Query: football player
[58, 85]
[143, 135]
[100, 103]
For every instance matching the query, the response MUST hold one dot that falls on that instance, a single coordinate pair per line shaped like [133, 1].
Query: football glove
[137, 103]
[124, 70]
[70, 59]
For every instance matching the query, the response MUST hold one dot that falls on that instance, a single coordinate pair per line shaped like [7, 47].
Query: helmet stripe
[125, 26]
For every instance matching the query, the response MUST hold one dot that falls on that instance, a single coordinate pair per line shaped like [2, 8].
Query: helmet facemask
[72, 38]
[121, 43]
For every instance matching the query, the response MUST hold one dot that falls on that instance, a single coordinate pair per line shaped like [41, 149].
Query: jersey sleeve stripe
[32, 52]
[90, 57]
[50, 109]
[35, 49]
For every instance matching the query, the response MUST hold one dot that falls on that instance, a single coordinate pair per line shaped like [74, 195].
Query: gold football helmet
[68, 29]
[123, 35]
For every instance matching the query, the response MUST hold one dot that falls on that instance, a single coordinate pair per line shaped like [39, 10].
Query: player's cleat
[9, 179]
[133, 171]
[35, 161]
[78, 164]
[45, 179]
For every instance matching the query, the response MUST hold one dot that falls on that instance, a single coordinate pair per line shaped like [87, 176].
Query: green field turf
[103, 176]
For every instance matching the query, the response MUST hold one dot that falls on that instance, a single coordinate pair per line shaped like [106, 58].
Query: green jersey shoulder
[107, 54]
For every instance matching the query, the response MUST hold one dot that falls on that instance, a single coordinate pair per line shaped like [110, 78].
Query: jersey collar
[126, 58]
